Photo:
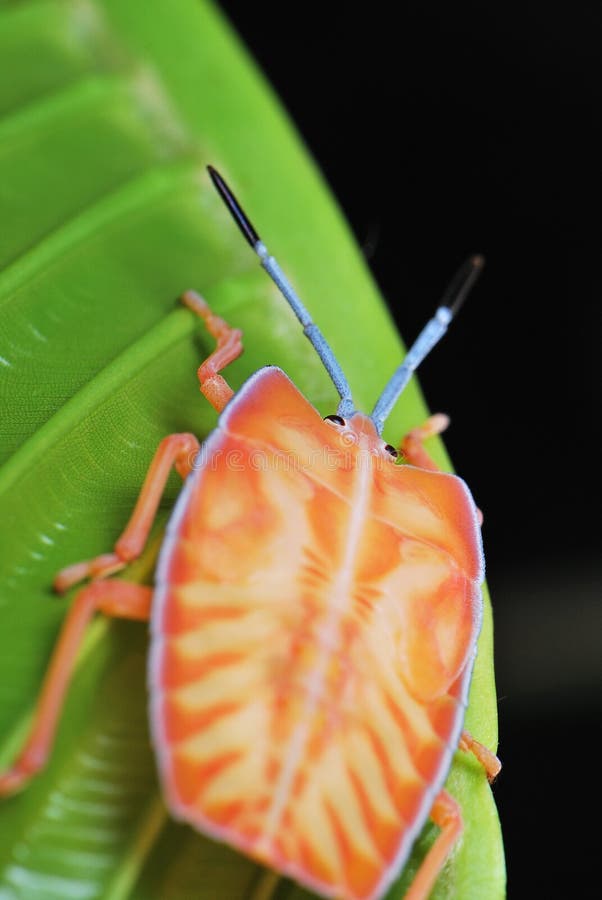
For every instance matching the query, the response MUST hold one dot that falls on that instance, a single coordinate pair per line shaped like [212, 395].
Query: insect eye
[391, 450]
[336, 419]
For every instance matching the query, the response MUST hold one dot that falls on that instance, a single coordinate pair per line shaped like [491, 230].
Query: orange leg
[177, 450]
[446, 814]
[488, 760]
[412, 445]
[115, 598]
[229, 347]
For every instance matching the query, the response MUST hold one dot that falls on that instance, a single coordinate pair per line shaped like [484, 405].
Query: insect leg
[177, 450]
[488, 760]
[412, 445]
[229, 347]
[121, 599]
[446, 814]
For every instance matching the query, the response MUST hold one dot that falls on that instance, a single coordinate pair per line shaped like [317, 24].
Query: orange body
[313, 632]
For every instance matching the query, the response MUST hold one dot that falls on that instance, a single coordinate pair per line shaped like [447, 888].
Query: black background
[445, 129]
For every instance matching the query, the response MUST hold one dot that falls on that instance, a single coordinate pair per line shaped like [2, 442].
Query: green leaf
[108, 118]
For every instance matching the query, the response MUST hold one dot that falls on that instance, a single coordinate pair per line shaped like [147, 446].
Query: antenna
[311, 331]
[453, 298]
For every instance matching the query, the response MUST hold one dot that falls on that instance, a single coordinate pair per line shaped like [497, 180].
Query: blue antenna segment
[310, 329]
[313, 333]
[430, 335]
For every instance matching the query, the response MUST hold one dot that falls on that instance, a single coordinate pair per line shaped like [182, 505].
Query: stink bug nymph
[313, 627]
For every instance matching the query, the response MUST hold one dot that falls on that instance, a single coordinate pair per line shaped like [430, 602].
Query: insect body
[313, 621]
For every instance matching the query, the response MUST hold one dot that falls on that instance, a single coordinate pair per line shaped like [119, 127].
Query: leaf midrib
[136, 193]
[170, 330]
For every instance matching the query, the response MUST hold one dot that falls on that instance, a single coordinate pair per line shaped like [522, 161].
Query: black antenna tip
[462, 283]
[234, 207]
